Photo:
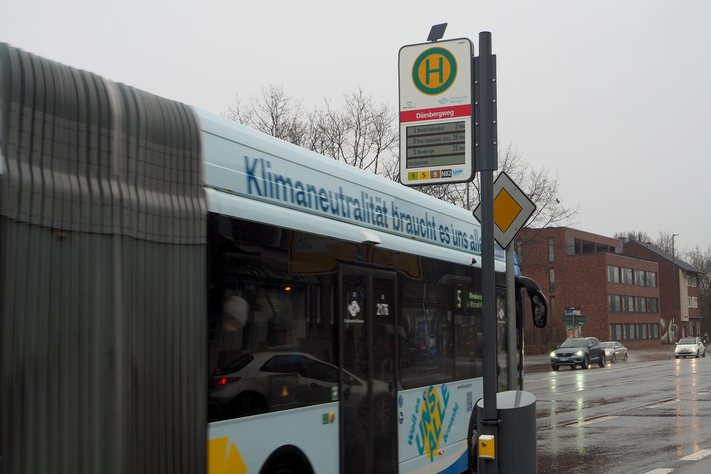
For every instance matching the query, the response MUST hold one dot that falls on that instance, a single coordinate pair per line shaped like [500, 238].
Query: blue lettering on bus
[364, 208]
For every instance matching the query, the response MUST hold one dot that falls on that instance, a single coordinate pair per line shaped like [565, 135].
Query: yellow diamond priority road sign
[512, 208]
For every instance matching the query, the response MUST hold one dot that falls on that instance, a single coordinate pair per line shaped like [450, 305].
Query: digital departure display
[439, 144]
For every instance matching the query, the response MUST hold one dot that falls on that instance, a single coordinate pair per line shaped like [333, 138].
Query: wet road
[628, 418]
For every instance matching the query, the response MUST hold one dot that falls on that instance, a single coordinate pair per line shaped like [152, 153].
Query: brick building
[617, 292]
[679, 310]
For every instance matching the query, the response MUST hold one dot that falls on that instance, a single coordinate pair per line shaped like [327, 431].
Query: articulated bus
[182, 294]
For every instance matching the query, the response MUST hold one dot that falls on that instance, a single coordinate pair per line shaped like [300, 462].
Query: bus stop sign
[436, 113]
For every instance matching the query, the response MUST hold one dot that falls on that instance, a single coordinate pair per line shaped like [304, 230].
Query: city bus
[180, 293]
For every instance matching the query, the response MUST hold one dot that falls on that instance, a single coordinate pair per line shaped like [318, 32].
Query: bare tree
[275, 113]
[702, 261]
[365, 134]
[665, 241]
[635, 235]
[539, 185]
[362, 134]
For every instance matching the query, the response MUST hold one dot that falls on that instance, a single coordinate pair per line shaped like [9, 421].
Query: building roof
[666, 256]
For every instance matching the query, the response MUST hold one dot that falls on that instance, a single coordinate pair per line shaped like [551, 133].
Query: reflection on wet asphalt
[629, 418]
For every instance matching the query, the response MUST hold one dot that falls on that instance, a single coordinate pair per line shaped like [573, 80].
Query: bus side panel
[435, 419]
[238, 445]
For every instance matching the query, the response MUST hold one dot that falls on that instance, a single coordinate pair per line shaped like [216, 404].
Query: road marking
[664, 470]
[668, 402]
[592, 420]
[697, 455]
[570, 391]
[629, 381]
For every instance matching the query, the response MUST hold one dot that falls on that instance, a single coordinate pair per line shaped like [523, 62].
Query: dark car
[580, 351]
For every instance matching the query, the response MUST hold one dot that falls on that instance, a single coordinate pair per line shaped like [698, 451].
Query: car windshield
[607, 345]
[688, 340]
[574, 343]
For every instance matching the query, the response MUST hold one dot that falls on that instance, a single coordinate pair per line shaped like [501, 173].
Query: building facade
[680, 315]
[593, 287]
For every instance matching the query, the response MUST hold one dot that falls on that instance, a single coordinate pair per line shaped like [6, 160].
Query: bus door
[368, 334]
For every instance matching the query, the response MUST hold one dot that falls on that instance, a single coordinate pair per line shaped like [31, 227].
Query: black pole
[487, 162]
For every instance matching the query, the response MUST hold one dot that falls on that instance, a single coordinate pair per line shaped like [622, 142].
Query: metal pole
[675, 289]
[486, 148]
[511, 319]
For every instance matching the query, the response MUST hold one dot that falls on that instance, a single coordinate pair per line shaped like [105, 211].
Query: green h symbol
[439, 70]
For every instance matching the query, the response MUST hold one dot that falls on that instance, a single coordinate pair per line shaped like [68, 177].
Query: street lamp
[674, 288]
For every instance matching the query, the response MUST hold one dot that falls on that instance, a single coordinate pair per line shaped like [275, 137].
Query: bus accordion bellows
[182, 294]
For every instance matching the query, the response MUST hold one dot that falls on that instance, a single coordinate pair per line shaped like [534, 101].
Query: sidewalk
[541, 362]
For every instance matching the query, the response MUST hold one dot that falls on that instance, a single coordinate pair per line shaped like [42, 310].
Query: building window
[641, 304]
[652, 305]
[551, 280]
[627, 276]
[639, 278]
[652, 279]
[642, 331]
[602, 248]
[552, 305]
[691, 281]
[654, 331]
[614, 303]
[616, 332]
[628, 304]
[588, 247]
[551, 255]
[613, 274]
[630, 332]
[573, 246]
[519, 252]
[693, 302]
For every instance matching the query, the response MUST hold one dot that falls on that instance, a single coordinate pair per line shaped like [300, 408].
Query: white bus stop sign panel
[435, 113]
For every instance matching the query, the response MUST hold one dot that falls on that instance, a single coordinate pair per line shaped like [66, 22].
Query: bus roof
[255, 176]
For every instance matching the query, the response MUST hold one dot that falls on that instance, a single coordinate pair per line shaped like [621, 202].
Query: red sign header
[438, 113]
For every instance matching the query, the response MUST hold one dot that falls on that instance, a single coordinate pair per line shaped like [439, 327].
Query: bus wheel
[287, 468]
[287, 463]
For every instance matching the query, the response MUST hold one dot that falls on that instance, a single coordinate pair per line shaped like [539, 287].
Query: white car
[262, 382]
[690, 347]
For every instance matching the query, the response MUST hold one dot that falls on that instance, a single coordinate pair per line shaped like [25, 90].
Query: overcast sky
[613, 96]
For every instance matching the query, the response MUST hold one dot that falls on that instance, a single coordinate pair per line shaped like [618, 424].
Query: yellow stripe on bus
[222, 459]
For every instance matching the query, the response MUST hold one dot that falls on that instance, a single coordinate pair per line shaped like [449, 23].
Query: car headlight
[579, 353]
[552, 354]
